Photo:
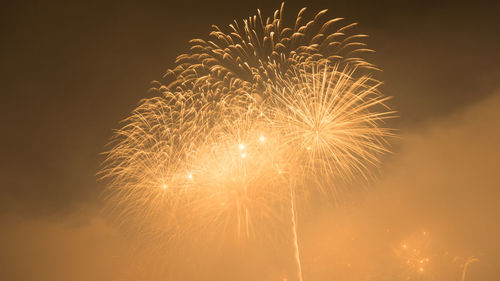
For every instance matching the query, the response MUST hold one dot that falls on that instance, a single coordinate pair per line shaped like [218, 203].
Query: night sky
[71, 71]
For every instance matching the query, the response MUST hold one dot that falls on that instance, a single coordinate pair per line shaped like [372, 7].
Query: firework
[151, 164]
[258, 51]
[245, 121]
[425, 259]
[237, 175]
[331, 122]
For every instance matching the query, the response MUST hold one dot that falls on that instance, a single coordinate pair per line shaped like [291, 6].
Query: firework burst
[242, 122]
[331, 121]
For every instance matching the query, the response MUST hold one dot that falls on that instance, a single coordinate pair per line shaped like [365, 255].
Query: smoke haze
[70, 71]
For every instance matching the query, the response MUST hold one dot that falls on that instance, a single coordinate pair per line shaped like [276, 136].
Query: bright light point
[404, 246]
[262, 138]
[241, 146]
[279, 170]
[190, 176]
[164, 186]
[308, 148]
[421, 269]
[243, 155]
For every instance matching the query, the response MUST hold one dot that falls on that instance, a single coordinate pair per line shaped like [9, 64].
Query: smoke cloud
[437, 194]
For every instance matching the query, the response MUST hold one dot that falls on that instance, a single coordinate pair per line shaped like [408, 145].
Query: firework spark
[424, 258]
